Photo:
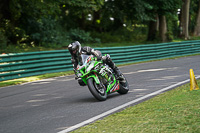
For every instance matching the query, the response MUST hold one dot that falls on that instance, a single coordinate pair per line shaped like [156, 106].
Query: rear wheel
[123, 85]
[97, 90]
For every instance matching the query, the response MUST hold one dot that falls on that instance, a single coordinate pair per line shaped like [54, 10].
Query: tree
[162, 9]
[162, 28]
[185, 19]
[197, 27]
[9, 15]
[26, 21]
[75, 12]
[123, 12]
[153, 28]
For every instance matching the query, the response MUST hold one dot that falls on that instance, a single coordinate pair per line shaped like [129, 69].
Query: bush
[79, 35]
[122, 35]
[170, 36]
[82, 36]
[3, 40]
[46, 31]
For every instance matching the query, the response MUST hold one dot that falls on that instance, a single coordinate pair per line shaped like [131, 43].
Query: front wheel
[97, 90]
[123, 85]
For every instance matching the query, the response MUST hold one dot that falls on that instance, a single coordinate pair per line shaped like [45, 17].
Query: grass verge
[174, 111]
[33, 78]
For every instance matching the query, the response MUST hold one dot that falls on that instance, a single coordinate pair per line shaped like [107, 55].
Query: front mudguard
[96, 79]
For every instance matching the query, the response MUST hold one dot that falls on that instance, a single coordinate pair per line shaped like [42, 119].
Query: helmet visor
[75, 51]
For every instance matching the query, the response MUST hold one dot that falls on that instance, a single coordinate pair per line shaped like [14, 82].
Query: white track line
[123, 106]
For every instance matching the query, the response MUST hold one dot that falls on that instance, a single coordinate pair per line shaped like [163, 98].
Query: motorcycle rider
[76, 50]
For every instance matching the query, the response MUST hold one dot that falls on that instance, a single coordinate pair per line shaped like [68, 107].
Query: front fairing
[89, 67]
[95, 69]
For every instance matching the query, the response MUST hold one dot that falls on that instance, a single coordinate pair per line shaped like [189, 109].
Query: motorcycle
[100, 78]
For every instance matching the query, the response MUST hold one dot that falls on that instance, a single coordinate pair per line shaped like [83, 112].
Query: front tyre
[97, 90]
[123, 85]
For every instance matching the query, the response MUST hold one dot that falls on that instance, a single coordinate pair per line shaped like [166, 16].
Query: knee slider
[73, 61]
[106, 58]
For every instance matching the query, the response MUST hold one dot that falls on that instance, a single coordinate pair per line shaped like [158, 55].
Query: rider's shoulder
[86, 48]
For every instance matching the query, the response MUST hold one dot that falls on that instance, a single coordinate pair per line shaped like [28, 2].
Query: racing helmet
[75, 48]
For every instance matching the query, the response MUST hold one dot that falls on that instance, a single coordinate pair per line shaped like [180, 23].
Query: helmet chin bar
[74, 52]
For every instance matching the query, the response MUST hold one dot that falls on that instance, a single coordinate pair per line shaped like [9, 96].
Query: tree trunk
[185, 19]
[95, 25]
[81, 21]
[162, 28]
[181, 20]
[197, 27]
[153, 28]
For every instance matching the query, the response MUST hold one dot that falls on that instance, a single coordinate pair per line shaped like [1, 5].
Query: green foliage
[131, 9]
[48, 31]
[193, 14]
[165, 7]
[41, 24]
[82, 36]
[26, 26]
[173, 28]
[122, 35]
[87, 5]
[53, 23]
[3, 40]
[170, 36]
[75, 12]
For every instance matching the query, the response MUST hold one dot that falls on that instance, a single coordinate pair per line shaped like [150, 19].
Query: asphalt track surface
[53, 105]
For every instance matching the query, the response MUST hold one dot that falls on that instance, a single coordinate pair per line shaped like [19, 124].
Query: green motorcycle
[100, 78]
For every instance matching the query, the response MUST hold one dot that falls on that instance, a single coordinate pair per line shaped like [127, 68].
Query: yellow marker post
[193, 82]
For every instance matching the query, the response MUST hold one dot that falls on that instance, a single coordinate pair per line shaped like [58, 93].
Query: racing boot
[118, 73]
[108, 61]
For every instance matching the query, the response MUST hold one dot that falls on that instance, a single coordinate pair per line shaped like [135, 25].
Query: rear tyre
[98, 91]
[123, 85]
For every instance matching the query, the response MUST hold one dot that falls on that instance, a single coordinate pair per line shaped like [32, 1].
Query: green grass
[33, 78]
[175, 111]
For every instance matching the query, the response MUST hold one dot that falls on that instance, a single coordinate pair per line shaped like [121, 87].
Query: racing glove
[78, 76]
[98, 58]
